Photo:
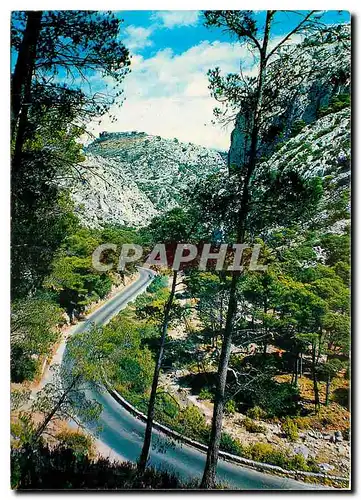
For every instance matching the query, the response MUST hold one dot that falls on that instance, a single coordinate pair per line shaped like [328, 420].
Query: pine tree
[255, 102]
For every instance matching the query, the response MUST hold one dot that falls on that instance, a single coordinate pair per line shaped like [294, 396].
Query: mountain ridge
[129, 177]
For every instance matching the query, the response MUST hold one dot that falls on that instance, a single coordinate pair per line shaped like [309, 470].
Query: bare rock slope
[129, 177]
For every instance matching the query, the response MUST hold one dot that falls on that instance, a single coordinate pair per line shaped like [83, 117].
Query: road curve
[123, 433]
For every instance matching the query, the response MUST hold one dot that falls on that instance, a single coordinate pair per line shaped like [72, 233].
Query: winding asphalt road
[123, 433]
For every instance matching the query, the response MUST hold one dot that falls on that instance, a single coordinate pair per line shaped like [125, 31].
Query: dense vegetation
[63, 467]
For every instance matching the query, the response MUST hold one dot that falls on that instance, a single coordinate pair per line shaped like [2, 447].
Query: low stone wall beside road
[226, 456]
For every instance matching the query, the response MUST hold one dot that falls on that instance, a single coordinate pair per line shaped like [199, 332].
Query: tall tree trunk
[314, 378]
[21, 82]
[265, 343]
[209, 475]
[296, 371]
[151, 407]
[56, 408]
[328, 383]
[221, 314]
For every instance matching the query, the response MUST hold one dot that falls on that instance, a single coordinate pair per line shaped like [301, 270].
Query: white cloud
[168, 94]
[137, 37]
[172, 18]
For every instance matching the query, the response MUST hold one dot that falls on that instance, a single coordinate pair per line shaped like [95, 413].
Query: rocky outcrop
[129, 177]
[322, 149]
[302, 81]
[105, 194]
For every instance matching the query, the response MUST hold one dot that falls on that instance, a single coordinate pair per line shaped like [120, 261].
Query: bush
[157, 284]
[283, 400]
[33, 333]
[252, 427]
[135, 369]
[289, 428]
[256, 412]
[165, 403]
[341, 396]
[191, 423]
[259, 451]
[276, 399]
[231, 445]
[337, 103]
[81, 444]
[230, 407]
[61, 469]
[206, 394]
[297, 126]
[303, 422]
[266, 453]
[23, 366]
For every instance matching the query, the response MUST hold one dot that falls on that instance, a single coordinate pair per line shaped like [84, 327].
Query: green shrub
[157, 284]
[276, 399]
[259, 451]
[256, 412]
[323, 132]
[266, 453]
[22, 430]
[284, 401]
[135, 370]
[297, 126]
[337, 103]
[231, 445]
[289, 428]
[34, 331]
[253, 427]
[205, 394]
[59, 468]
[191, 422]
[298, 462]
[80, 444]
[302, 422]
[23, 366]
[230, 407]
[165, 403]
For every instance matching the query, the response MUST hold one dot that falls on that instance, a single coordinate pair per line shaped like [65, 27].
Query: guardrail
[260, 466]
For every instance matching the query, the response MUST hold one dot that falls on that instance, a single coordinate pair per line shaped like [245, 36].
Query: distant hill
[128, 177]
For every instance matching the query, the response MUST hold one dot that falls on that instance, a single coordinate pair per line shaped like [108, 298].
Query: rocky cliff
[322, 149]
[129, 177]
[304, 81]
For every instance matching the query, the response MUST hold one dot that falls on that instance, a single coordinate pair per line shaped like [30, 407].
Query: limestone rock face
[309, 77]
[321, 149]
[129, 177]
[106, 195]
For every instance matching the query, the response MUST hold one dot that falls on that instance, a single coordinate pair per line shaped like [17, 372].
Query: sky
[167, 92]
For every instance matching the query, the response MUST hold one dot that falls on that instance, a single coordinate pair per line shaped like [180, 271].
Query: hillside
[323, 149]
[128, 177]
[306, 81]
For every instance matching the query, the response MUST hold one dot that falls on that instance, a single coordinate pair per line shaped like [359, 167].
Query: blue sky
[167, 90]
[181, 30]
